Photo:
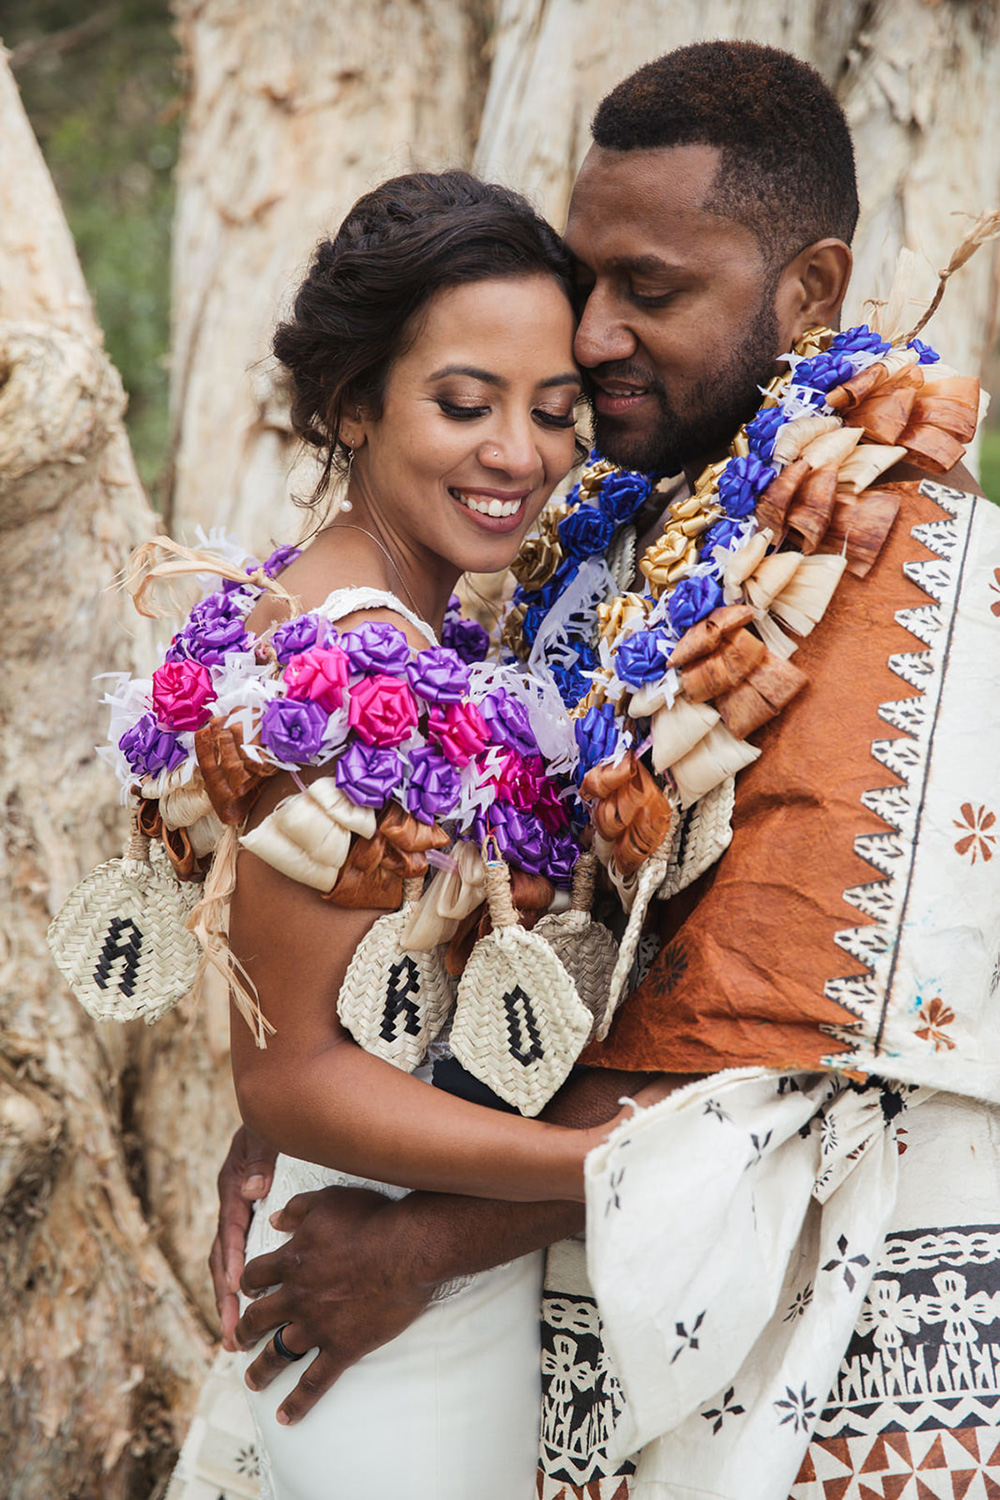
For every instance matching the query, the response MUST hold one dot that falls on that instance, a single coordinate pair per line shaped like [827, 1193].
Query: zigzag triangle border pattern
[906, 757]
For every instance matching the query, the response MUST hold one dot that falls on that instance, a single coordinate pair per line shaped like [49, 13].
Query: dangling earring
[345, 504]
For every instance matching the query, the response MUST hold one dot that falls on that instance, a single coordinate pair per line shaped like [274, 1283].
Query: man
[710, 225]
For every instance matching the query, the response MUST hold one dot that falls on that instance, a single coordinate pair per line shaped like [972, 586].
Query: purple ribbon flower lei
[434, 785]
[439, 675]
[508, 722]
[597, 735]
[279, 560]
[466, 637]
[149, 749]
[292, 729]
[297, 636]
[368, 774]
[377, 646]
[585, 531]
[740, 484]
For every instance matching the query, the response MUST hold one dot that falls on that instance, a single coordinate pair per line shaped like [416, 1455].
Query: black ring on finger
[282, 1350]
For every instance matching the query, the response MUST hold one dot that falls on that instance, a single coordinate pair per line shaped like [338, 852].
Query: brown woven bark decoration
[233, 781]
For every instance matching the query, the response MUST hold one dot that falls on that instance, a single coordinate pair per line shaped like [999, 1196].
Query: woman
[430, 356]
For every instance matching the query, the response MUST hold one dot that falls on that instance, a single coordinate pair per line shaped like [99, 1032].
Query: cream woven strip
[650, 878]
[586, 948]
[700, 837]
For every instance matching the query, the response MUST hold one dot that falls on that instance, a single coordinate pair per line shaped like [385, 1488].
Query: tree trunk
[296, 108]
[101, 1346]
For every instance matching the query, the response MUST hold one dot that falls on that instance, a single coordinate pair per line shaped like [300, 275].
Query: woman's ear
[351, 428]
[811, 289]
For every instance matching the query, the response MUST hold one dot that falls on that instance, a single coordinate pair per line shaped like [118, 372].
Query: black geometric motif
[673, 966]
[845, 1264]
[124, 941]
[799, 1303]
[718, 1414]
[581, 1397]
[521, 1026]
[760, 1145]
[689, 1339]
[800, 1409]
[404, 988]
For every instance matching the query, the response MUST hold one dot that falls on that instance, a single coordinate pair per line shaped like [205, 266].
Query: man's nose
[602, 335]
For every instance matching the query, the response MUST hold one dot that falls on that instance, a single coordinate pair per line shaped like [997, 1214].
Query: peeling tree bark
[101, 1346]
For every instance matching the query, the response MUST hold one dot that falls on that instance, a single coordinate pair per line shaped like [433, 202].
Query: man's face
[678, 326]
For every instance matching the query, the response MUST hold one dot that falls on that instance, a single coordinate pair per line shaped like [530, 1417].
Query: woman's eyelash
[468, 413]
[451, 409]
[555, 419]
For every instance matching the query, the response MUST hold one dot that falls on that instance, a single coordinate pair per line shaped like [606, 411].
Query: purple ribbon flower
[520, 838]
[467, 637]
[368, 774]
[299, 635]
[643, 657]
[724, 533]
[292, 730]
[149, 749]
[434, 785]
[377, 646]
[213, 630]
[279, 560]
[564, 851]
[692, 600]
[439, 675]
[763, 430]
[740, 483]
[508, 722]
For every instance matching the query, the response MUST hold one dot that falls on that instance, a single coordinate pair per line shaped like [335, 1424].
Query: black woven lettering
[123, 942]
[404, 988]
[522, 1028]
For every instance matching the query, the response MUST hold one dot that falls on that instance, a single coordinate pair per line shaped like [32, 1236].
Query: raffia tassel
[308, 836]
[209, 922]
[859, 527]
[866, 463]
[985, 228]
[677, 730]
[714, 758]
[161, 559]
[796, 435]
[803, 603]
[831, 447]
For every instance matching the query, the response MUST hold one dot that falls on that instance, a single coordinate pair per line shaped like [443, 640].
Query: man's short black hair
[787, 167]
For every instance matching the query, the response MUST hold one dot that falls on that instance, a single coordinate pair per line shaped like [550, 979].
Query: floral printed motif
[976, 840]
[955, 1309]
[887, 1315]
[936, 1016]
[561, 1368]
[995, 606]
[800, 1409]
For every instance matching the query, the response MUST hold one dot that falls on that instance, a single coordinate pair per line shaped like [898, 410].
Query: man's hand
[246, 1175]
[347, 1281]
[360, 1268]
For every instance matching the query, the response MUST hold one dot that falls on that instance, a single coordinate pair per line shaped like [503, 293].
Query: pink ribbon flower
[318, 675]
[382, 710]
[181, 691]
[459, 730]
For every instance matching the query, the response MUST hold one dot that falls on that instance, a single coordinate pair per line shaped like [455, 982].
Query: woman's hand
[245, 1176]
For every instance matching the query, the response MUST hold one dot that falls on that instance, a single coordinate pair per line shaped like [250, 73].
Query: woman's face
[476, 427]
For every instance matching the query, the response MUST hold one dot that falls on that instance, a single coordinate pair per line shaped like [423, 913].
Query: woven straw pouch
[120, 938]
[586, 948]
[701, 835]
[393, 1002]
[519, 1022]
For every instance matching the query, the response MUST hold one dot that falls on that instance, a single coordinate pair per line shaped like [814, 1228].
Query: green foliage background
[102, 87]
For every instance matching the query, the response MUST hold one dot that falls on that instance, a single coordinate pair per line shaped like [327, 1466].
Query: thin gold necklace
[348, 526]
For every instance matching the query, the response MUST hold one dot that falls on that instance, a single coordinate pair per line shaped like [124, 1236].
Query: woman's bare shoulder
[327, 565]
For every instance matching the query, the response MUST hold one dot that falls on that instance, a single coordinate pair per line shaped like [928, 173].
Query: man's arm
[360, 1268]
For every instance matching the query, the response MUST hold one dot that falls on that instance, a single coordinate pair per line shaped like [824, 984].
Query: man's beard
[718, 405]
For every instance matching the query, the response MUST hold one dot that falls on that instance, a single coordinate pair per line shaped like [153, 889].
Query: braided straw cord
[650, 878]
[584, 880]
[209, 921]
[498, 894]
[585, 948]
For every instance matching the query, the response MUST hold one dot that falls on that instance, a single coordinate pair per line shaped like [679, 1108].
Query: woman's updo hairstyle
[358, 308]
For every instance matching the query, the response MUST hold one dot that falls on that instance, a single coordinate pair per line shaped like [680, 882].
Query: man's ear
[812, 287]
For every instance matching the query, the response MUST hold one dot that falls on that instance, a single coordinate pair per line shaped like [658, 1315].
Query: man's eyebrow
[571, 377]
[647, 265]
